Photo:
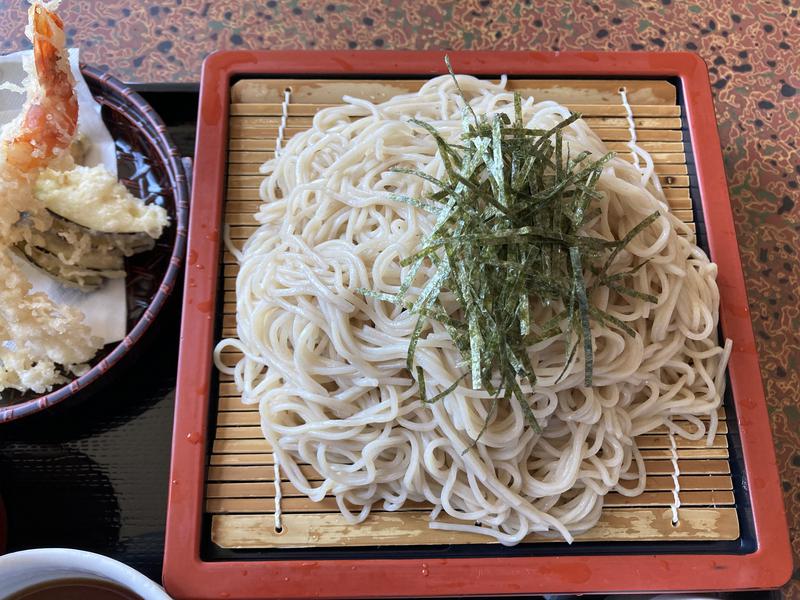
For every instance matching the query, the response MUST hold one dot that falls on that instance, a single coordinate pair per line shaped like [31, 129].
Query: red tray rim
[186, 575]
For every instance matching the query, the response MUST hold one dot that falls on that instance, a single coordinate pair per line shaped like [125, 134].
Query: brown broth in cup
[74, 588]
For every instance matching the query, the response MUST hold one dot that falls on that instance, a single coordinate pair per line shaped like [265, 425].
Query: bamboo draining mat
[240, 488]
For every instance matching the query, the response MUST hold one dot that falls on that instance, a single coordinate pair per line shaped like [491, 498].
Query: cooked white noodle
[327, 366]
[649, 171]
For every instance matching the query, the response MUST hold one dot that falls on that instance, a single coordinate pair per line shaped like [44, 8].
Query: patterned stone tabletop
[752, 49]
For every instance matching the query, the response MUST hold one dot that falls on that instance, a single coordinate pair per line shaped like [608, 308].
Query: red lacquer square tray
[761, 560]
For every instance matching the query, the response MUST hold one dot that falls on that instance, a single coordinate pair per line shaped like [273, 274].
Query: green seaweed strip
[583, 304]
[467, 106]
[408, 281]
[448, 390]
[523, 403]
[622, 274]
[497, 161]
[412, 345]
[431, 290]
[448, 154]
[421, 175]
[629, 236]
[475, 344]
[444, 393]
[413, 202]
[509, 235]
[605, 317]
[489, 415]
[626, 291]
[421, 384]
[570, 357]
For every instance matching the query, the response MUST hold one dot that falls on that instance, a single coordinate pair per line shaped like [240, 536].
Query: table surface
[750, 47]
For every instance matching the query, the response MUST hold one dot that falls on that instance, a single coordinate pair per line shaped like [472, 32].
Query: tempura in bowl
[75, 223]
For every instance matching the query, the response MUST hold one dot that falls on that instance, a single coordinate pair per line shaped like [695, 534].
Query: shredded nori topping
[511, 220]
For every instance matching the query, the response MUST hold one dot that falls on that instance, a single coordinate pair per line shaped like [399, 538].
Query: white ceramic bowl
[23, 569]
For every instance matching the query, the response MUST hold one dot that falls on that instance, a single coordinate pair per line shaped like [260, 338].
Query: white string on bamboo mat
[647, 173]
[278, 494]
[676, 472]
[287, 97]
[631, 127]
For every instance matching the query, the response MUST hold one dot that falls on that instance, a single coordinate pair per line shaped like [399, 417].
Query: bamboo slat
[614, 134]
[297, 109]
[565, 91]
[242, 232]
[256, 127]
[714, 484]
[254, 181]
[240, 489]
[302, 504]
[386, 529]
[669, 163]
[647, 442]
[676, 197]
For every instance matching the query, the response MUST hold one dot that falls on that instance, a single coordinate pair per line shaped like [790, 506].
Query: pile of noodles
[327, 366]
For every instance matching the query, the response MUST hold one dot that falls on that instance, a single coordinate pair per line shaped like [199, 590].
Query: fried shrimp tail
[49, 119]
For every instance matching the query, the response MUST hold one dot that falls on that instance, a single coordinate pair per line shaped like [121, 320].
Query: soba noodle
[327, 366]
